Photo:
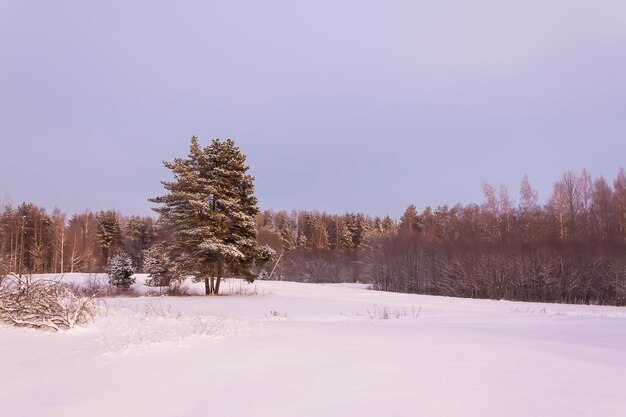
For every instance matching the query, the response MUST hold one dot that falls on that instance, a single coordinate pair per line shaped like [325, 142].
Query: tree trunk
[62, 249]
[207, 286]
[219, 277]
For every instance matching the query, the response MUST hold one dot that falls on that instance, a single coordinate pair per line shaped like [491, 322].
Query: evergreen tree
[157, 263]
[108, 232]
[389, 225]
[286, 228]
[411, 221]
[120, 270]
[357, 226]
[345, 237]
[209, 210]
[139, 234]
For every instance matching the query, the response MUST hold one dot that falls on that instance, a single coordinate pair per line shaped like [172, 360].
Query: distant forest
[571, 249]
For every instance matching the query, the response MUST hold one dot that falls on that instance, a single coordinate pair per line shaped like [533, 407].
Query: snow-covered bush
[42, 304]
[120, 270]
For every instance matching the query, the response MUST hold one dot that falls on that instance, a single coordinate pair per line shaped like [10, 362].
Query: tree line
[572, 248]
[58, 244]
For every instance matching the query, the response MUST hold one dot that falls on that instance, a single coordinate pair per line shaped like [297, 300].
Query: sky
[351, 105]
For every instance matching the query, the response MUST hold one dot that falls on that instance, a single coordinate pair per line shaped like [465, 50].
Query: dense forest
[572, 248]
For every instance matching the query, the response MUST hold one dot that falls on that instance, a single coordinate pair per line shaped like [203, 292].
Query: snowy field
[289, 349]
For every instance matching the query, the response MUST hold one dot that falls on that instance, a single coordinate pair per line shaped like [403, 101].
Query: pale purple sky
[340, 105]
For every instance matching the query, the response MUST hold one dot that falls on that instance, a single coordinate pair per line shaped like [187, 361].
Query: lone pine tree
[209, 211]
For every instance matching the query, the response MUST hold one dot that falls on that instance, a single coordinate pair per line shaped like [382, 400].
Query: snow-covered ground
[291, 349]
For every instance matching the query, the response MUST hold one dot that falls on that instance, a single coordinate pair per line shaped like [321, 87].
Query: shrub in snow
[42, 304]
[120, 270]
[387, 313]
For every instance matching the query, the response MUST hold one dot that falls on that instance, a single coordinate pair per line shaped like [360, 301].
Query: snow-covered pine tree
[286, 228]
[120, 270]
[411, 221]
[209, 211]
[345, 236]
[358, 227]
[156, 262]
